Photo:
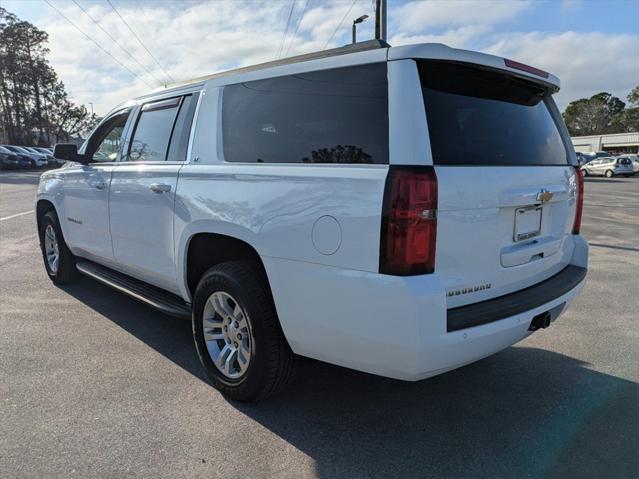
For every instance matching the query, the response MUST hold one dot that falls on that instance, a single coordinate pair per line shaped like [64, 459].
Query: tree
[34, 106]
[603, 113]
[592, 116]
[633, 97]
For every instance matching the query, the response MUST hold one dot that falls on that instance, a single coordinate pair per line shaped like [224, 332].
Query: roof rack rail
[350, 48]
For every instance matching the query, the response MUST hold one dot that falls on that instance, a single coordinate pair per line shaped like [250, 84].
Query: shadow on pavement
[523, 412]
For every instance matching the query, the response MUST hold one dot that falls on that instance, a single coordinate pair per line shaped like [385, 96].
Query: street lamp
[91, 103]
[355, 22]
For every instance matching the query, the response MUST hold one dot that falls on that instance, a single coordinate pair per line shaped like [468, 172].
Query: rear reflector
[525, 68]
[409, 221]
[576, 227]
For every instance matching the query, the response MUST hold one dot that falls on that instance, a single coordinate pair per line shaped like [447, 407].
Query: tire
[609, 174]
[586, 173]
[270, 359]
[64, 271]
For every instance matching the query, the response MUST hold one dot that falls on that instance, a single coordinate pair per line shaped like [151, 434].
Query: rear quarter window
[329, 116]
[483, 117]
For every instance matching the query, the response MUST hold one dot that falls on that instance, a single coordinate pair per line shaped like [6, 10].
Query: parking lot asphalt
[94, 384]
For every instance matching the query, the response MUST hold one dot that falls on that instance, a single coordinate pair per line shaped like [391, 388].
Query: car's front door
[143, 187]
[86, 191]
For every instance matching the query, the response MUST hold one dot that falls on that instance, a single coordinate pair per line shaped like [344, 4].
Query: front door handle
[100, 185]
[160, 187]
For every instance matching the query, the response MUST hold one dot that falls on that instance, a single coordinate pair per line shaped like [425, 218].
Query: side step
[155, 297]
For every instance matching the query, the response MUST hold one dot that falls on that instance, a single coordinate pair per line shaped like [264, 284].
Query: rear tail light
[576, 227]
[525, 68]
[409, 221]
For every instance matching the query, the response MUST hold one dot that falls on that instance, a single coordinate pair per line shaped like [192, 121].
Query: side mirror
[69, 152]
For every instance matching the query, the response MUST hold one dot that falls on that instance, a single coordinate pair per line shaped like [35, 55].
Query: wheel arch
[203, 250]
[43, 206]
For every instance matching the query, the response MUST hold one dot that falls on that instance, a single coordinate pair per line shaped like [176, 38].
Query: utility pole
[380, 20]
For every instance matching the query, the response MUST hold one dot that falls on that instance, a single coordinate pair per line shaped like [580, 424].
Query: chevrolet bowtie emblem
[544, 196]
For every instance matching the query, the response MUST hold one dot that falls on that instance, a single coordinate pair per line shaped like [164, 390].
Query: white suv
[400, 211]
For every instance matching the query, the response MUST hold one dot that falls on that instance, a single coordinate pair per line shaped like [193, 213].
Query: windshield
[482, 117]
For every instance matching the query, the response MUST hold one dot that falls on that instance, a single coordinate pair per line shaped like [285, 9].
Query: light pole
[355, 22]
[91, 103]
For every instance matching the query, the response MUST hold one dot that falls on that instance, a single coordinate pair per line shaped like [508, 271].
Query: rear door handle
[160, 187]
[100, 185]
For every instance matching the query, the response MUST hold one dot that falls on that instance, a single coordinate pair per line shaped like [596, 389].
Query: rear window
[481, 117]
[330, 116]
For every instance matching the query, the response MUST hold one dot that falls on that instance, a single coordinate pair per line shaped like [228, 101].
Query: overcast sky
[591, 45]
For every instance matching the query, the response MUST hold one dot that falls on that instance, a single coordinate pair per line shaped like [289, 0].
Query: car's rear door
[142, 196]
[506, 189]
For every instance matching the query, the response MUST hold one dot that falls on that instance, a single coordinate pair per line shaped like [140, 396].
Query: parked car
[608, 167]
[24, 159]
[582, 159]
[8, 159]
[44, 154]
[36, 160]
[306, 207]
[634, 159]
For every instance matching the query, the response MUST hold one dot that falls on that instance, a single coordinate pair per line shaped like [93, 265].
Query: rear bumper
[398, 326]
[515, 303]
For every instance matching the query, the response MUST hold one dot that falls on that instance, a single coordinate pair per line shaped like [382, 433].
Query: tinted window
[480, 117]
[332, 116]
[153, 131]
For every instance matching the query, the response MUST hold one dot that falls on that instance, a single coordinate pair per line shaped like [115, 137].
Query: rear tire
[233, 300]
[609, 174]
[59, 262]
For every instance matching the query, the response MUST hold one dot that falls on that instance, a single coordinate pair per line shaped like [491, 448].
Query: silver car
[608, 167]
[634, 159]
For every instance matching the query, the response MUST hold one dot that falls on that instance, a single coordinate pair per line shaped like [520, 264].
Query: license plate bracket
[527, 223]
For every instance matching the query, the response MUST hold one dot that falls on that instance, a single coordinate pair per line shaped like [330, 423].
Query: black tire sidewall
[66, 263]
[219, 279]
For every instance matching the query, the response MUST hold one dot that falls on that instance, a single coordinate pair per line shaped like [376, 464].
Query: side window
[104, 144]
[330, 116]
[150, 141]
[162, 130]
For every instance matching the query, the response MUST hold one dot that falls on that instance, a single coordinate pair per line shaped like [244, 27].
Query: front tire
[59, 262]
[237, 334]
[609, 173]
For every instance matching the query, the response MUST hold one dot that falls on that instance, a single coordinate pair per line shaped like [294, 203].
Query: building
[615, 143]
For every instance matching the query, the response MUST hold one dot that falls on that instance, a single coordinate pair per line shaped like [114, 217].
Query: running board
[155, 297]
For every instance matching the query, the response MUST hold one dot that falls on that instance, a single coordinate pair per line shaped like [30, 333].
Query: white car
[400, 211]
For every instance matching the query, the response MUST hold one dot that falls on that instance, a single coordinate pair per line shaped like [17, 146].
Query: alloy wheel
[228, 335]
[51, 249]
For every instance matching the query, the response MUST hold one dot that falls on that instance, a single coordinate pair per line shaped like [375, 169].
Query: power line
[288, 22]
[116, 42]
[339, 24]
[135, 75]
[140, 41]
[299, 21]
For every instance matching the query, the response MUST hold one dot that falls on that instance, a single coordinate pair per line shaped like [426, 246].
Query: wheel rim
[227, 333]
[51, 248]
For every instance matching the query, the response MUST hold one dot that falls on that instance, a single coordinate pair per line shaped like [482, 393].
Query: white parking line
[16, 215]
